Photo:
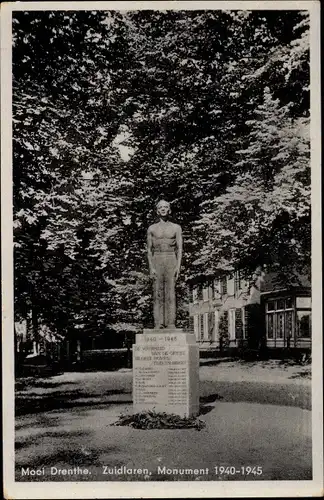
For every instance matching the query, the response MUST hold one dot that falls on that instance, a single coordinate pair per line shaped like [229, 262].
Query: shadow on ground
[305, 374]
[204, 407]
[261, 392]
[76, 453]
[25, 383]
[35, 403]
[38, 395]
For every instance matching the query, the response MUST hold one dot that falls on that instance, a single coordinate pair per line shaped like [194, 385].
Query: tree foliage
[112, 111]
[265, 212]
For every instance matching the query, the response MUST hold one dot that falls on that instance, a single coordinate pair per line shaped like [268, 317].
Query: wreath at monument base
[154, 420]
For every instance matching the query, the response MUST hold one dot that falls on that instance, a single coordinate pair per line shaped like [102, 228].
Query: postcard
[161, 249]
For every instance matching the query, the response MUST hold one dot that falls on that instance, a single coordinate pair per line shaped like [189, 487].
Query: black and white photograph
[161, 249]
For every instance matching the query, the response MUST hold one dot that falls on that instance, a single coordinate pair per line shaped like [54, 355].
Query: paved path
[240, 432]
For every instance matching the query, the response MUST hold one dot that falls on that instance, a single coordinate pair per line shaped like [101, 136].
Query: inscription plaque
[165, 375]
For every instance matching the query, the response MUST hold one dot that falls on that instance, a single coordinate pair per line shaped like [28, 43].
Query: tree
[264, 216]
[114, 110]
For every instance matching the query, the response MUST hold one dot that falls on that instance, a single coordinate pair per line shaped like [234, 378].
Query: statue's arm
[149, 251]
[179, 249]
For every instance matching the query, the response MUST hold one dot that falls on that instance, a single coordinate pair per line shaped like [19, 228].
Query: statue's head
[163, 208]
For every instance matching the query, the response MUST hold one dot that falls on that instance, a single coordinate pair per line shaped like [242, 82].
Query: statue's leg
[158, 294]
[170, 300]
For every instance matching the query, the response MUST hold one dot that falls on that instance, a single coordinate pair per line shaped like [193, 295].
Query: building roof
[278, 281]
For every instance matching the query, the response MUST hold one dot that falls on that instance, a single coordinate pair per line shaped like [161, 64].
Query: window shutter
[206, 324]
[223, 330]
[243, 310]
[247, 321]
[230, 285]
[196, 325]
[238, 324]
[201, 332]
[211, 324]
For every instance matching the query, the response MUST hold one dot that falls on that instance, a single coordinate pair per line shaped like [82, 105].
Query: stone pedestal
[166, 372]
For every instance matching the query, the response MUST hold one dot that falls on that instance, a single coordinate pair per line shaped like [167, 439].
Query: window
[279, 318]
[231, 324]
[270, 326]
[280, 325]
[303, 317]
[224, 286]
[205, 294]
[304, 324]
[237, 282]
[199, 292]
[303, 302]
[216, 288]
[211, 320]
[195, 295]
[288, 324]
[289, 303]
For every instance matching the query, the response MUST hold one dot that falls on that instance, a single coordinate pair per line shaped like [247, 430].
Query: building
[232, 312]
[36, 354]
[287, 312]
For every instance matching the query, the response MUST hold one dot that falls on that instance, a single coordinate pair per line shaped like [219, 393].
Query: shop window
[289, 303]
[279, 318]
[280, 304]
[288, 324]
[270, 326]
[280, 325]
[303, 302]
[303, 324]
